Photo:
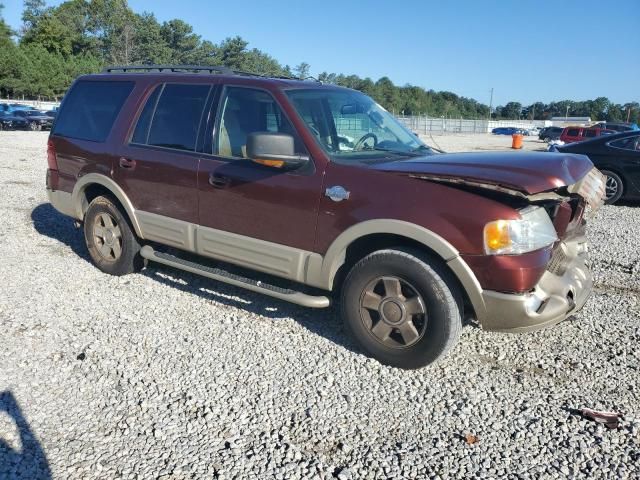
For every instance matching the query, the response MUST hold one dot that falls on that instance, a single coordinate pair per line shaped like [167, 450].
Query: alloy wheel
[393, 312]
[611, 187]
[107, 237]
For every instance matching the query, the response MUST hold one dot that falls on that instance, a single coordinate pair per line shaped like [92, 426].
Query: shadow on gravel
[324, 322]
[30, 460]
[49, 222]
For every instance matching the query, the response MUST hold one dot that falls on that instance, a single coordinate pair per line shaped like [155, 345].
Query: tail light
[52, 160]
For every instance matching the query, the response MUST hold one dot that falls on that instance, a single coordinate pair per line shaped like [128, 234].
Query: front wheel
[112, 244]
[34, 127]
[614, 188]
[401, 308]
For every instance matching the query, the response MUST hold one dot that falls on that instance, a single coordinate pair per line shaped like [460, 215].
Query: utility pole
[566, 115]
[628, 113]
[490, 103]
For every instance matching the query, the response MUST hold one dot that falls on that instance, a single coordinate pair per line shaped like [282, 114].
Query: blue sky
[531, 50]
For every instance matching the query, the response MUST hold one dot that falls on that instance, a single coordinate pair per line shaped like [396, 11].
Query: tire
[402, 308]
[614, 187]
[34, 127]
[111, 241]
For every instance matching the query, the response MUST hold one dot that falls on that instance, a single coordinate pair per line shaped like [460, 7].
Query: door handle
[218, 181]
[127, 163]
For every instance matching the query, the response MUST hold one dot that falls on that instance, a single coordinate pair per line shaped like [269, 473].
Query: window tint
[176, 119]
[590, 133]
[90, 109]
[573, 132]
[245, 111]
[141, 134]
[629, 143]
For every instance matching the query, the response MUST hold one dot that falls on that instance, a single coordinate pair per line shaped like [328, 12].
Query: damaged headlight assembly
[532, 231]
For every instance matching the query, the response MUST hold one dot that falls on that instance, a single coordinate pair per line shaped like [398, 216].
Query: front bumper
[562, 290]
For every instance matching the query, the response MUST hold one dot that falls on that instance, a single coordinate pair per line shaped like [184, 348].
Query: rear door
[158, 165]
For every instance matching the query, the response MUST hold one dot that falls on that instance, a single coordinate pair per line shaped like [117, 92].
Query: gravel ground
[166, 375]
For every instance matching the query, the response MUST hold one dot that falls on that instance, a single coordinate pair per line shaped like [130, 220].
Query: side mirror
[274, 150]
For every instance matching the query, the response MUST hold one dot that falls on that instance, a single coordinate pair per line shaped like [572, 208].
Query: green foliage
[81, 36]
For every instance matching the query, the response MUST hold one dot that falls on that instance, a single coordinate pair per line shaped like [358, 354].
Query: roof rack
[171, 68]
[221, 69]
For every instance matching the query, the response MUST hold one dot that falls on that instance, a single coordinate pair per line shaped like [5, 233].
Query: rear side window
[90, 109]
[171, 117]
[590, 133]
[573, 132]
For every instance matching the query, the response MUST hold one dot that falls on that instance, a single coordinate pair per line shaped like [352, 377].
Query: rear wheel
[34, 127]
[112, 244]
[400, 307]
[614, 187]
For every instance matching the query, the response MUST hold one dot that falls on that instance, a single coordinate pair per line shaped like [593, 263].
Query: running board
[220, 275]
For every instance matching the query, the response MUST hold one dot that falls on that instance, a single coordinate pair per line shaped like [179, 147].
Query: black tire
[111, 241]
[438, 328]
[34, 127]
[614, 184]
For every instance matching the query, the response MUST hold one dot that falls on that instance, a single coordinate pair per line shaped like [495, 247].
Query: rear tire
[401, 307]
[614, 187]
[111, 241]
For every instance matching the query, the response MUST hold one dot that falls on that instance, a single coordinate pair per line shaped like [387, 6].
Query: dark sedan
[8, 121]
[617, 157]
[36, 120]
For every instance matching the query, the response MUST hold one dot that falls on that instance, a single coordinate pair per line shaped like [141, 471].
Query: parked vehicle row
[26, 119]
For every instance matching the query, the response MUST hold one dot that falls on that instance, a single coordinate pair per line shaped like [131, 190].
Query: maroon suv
[321, 186]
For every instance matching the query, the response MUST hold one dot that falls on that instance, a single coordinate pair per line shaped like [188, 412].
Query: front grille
[558, 263]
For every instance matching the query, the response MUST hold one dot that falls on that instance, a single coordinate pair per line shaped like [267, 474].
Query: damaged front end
[528, 285]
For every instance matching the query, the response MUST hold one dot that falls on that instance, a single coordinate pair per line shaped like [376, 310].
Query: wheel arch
[364, 238]
[94, 184]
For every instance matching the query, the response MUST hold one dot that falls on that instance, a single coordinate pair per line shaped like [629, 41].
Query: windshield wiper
[409, 153]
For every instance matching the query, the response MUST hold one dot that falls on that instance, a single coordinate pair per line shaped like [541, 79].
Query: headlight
[532, 231]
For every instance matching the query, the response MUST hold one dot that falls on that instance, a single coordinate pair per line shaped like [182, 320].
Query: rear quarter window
[573, 132]
[90, 109]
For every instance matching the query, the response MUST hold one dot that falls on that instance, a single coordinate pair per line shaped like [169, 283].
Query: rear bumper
[562, 290]
[61, 201]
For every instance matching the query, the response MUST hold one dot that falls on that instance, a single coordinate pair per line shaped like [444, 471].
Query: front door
[251, 214]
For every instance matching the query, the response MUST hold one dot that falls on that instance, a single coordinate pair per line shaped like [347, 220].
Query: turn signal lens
[496, 235]
[270, 163]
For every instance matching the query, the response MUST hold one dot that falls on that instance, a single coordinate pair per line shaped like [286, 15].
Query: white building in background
[563, 121]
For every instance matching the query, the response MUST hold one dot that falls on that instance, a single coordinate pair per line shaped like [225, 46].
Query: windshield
[351, 127]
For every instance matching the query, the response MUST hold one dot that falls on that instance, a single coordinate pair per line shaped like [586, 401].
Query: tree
[512, 110]
[302, 70]
[5, 32]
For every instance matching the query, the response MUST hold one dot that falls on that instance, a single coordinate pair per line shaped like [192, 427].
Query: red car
[578, 134]
[320, 186]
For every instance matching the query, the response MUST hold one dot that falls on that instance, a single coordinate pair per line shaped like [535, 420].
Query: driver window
[245, 111]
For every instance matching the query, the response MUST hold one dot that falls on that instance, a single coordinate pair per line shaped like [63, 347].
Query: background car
[36, 119]
[550, 133]
[617, 126]
[578, 134]
[617, 157]
[8, 121]
[506, 130]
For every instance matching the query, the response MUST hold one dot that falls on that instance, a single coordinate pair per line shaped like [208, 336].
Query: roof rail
[171, 68]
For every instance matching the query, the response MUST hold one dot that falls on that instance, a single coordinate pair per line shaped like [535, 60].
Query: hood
[527, 172]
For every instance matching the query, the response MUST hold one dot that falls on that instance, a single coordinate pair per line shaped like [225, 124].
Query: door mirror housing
[275, 150]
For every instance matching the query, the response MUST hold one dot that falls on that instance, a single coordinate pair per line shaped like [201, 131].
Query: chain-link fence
[423, 124]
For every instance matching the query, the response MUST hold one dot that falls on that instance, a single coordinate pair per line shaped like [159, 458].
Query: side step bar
[220, 275]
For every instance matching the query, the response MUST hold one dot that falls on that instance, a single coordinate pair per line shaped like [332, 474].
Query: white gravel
[166, 375]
